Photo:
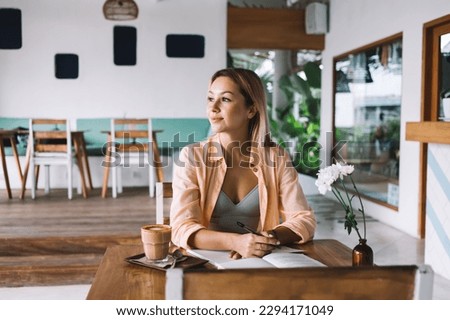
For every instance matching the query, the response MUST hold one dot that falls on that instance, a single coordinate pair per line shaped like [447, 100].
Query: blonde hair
[251, 87]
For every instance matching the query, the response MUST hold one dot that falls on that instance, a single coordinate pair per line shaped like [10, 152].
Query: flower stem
[338, 195]
[351, 208]
[348, 197]
[348, 208]
[362, 206]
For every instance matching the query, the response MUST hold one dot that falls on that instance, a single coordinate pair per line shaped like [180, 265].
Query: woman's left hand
[251, 245]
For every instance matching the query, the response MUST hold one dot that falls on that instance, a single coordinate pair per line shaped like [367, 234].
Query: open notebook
[283, 257]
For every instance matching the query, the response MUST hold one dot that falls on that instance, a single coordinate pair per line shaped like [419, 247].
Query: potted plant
[297, 123]
[362, 254]
[445, 96]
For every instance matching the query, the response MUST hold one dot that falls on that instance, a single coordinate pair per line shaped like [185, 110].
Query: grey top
[226, 213]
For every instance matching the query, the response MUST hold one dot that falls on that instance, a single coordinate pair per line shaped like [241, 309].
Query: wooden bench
[179, 132]
[174, 133]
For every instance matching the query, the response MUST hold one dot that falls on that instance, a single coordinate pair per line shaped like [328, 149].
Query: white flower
[326, 177]
[344, 170]
[323, 187]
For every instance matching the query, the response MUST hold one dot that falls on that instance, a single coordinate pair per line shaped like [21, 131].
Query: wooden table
[11, 135]
[117, 279]
[79, 145]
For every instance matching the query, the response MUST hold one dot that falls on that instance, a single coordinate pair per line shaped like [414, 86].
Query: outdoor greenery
[296, 124]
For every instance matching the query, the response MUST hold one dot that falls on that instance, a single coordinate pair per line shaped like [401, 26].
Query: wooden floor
[55, 215]
[52, 240]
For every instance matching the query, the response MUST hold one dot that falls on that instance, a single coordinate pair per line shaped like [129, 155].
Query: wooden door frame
[430, 100]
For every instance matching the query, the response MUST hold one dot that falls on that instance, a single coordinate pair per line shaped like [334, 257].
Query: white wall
[356, 23]
[157, 86]
[437, 239]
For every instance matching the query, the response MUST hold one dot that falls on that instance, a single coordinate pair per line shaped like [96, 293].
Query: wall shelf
[428, 131]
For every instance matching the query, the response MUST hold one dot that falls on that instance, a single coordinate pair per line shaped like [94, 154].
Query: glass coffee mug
[156, 241]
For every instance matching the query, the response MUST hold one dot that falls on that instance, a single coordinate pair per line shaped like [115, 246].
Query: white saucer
[444, 119]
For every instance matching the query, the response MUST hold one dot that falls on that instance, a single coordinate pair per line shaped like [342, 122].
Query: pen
[240, 224]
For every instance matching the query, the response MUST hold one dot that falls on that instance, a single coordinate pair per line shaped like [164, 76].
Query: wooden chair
[332, 283]
[163, 191]
[50, 143]
[129, 144]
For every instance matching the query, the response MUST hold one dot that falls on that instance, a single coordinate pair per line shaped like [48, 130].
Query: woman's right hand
[251, 245]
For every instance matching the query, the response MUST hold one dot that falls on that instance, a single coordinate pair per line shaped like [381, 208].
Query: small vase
[362, 254]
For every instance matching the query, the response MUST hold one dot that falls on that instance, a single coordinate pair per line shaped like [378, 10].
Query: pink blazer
[197, 181]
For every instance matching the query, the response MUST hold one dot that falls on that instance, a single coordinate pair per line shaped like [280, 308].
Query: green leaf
[286, 86]
[301, 86]
[313, 107]
[313, 129]
[291, 126]
[348, 226]
[313, 74]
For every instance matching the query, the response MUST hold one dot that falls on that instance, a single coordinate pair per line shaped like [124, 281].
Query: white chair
[50, 143]
[131, 143]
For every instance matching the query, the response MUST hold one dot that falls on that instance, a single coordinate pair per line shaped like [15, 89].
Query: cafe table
[117, 279]
[11, 135]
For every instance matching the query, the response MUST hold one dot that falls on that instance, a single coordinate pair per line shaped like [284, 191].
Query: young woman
[238, 175]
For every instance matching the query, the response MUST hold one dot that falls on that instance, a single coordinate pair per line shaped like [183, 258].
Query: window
[367, 104]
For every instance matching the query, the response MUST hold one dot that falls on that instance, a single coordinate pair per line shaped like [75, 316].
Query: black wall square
[66, 66]
[125, 46]
[10, 29]
[185, 46]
